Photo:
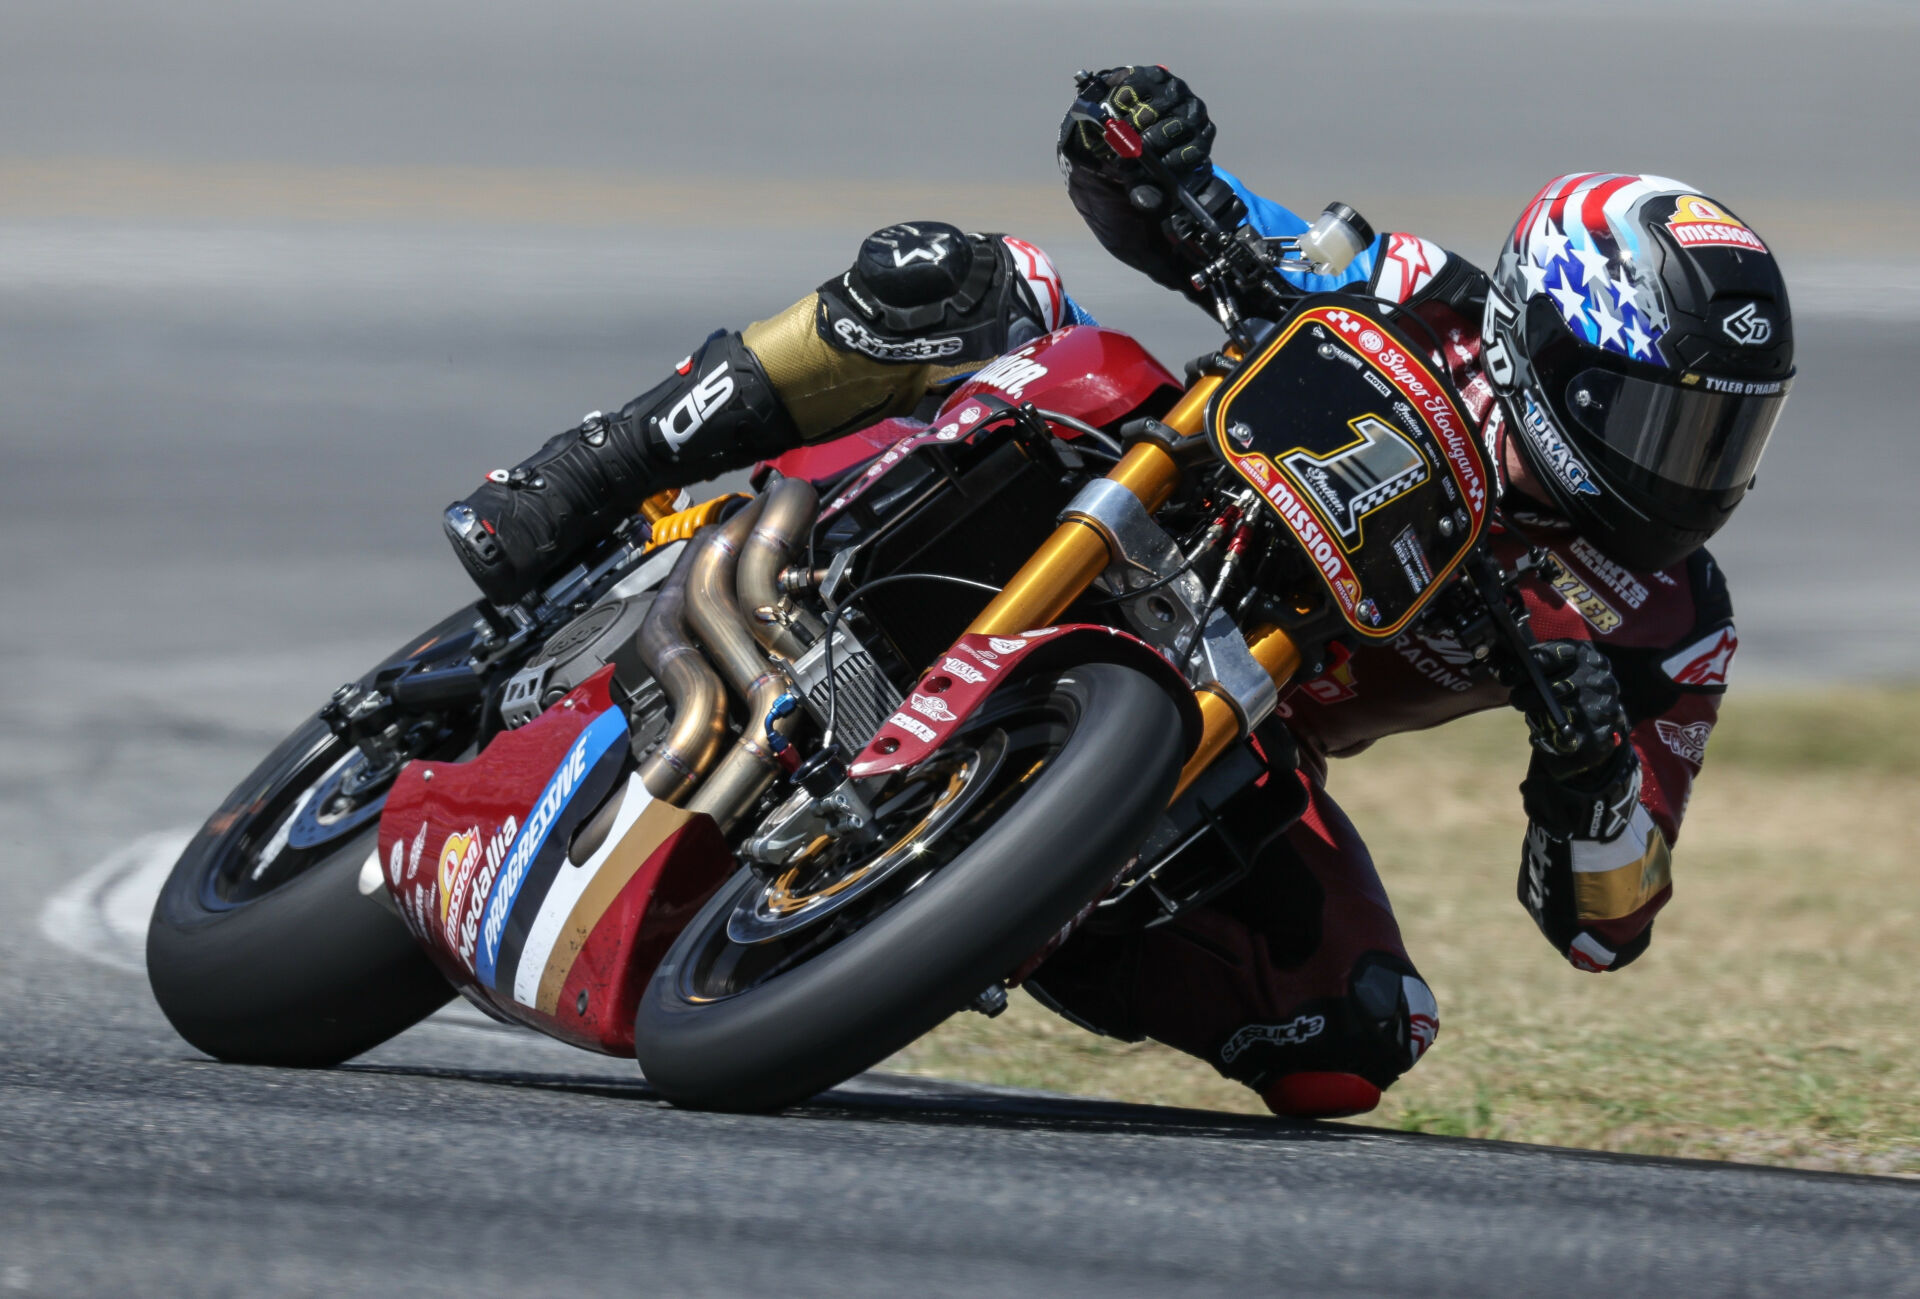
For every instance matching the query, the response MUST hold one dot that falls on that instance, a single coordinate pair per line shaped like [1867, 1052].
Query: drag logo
[458, 857]
[1565, 465]
[1295, 1031]
[1699, 223]
[1382, 464]
[1705, 662]
[968, 673]
[1687, 742]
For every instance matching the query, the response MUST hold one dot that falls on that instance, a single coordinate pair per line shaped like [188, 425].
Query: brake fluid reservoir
[1336, 237]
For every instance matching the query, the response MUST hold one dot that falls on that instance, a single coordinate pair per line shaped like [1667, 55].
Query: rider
[1635, 336]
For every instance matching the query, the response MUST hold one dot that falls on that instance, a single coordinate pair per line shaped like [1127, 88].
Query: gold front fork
[1066, 564]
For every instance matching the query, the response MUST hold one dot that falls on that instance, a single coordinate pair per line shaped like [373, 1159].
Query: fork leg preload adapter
[1077, 552]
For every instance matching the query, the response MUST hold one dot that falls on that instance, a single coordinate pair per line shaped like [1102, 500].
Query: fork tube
[1076, 553]
[1275, 651]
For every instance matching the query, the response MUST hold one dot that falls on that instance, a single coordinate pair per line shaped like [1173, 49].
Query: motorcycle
[765, 788]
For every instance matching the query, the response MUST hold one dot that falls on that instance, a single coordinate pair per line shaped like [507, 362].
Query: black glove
[1582, 780]
[1174, 129]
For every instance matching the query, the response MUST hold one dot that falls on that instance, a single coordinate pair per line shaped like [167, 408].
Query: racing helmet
[1639, 337]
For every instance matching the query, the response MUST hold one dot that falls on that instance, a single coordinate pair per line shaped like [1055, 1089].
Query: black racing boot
[717, 412]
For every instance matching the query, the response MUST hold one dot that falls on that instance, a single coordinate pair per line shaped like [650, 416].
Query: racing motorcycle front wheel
[263, 948]
[792, 980]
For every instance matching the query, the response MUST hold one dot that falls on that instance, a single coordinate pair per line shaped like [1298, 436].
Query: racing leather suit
[1298, 976]
[922, 304]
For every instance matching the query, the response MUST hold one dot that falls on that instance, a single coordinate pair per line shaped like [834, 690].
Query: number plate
[1363, 452]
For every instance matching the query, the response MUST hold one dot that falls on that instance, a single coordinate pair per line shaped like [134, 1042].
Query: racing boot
[716, 412]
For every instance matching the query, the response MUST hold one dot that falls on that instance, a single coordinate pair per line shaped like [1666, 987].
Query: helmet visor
[1703, 437]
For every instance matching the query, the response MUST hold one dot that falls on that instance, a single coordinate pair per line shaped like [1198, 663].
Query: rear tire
[303, 971]
[1050, 850]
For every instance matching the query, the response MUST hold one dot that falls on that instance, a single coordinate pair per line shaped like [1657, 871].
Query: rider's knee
[1334, 1056]
[923, 302]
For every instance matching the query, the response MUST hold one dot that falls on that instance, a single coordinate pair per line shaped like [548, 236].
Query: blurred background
[278, 281]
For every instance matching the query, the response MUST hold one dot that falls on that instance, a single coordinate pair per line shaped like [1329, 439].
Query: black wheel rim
[1027, 732]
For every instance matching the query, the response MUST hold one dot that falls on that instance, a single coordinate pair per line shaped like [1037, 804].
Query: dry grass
[1772, 1021]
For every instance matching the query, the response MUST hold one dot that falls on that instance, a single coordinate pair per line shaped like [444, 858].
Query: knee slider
[1377, 1031]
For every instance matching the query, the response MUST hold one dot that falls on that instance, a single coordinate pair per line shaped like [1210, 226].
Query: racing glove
[1174, 128]
[1595, 868]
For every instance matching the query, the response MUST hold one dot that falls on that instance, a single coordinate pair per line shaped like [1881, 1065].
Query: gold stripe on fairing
[654, 827]
[829, 390]
[1609, 895]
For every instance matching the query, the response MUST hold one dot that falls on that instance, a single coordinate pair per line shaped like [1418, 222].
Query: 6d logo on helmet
[1359, 478]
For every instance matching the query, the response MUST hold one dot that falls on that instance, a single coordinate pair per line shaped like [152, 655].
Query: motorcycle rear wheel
[1090, 758]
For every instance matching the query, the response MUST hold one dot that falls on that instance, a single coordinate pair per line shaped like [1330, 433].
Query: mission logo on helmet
[1701, 223]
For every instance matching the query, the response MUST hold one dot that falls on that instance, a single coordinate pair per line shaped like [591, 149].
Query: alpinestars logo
[1295, 1031]
[1705, 662]
[861, 339]
[1546, 439]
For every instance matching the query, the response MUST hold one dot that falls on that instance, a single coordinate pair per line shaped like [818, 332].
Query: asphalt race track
[276, 283]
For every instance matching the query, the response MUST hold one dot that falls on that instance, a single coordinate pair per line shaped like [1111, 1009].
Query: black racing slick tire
[1046, 840]
[286, 962]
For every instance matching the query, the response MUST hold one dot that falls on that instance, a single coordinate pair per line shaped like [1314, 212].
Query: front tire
[718, 1029]
[264, 952]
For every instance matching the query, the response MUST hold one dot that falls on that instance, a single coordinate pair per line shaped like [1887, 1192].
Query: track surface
[234, 403]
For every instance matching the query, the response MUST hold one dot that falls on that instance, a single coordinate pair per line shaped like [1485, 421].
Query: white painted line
[102, 914]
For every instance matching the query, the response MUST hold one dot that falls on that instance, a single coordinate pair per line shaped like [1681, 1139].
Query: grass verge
[1772, 1021]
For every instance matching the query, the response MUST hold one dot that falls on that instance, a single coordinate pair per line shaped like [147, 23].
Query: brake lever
[1493, 592]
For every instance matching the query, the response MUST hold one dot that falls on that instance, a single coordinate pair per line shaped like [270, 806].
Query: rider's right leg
[922, 303]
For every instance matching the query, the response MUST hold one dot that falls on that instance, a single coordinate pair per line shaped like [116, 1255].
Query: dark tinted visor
[1706, 436]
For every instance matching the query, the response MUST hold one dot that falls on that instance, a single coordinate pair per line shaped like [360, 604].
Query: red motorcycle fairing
[478, 856]
[1095, 375]
[968, 674]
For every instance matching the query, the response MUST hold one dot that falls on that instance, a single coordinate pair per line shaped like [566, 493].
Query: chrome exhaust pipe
[692, 688]
[715, 614]
[780, 626]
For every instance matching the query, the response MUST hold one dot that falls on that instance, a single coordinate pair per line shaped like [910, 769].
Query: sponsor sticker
[593, 743]
[1701, 223]
[1006, 646]
[1705, 662]
[1413, 560]
[861, 339]
[1617, 579]
[1302, 1028]
[459, 857]
[1559, 456]
[1600, 615]
[1688, 742]
[967, 672]
[932, 706]
[912, 726]
[1011, 373]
